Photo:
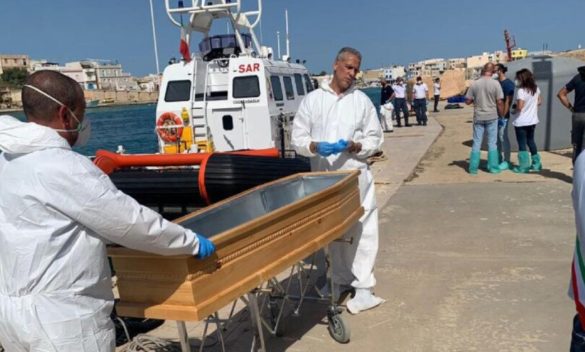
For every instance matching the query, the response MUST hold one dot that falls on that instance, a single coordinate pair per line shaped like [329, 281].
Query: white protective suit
[386, 112]
[57, 211]
[323, 116]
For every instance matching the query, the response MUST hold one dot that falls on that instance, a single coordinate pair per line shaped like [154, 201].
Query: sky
[385, 31]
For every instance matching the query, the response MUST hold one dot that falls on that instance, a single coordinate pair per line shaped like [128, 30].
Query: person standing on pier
[400, 102]
[337, 127]
[527, 103]
[420, 92]
[437, 93]
[386, 107]
[487, 96]
[577, 84]
[503, 138]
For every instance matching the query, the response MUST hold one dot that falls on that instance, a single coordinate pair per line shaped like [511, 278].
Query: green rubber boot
[474, 162]
[536, 164]
[504, 164]
[523, 163]
[493, 165]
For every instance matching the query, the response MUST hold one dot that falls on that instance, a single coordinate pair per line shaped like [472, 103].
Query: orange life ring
[169, 127]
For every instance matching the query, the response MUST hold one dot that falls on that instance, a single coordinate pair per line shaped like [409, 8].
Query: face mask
[517, 83]
[418, 82]
[495, 76]
[83, 128]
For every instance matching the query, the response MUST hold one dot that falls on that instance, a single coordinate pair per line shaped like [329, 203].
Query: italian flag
[578, 281]
[184, 46]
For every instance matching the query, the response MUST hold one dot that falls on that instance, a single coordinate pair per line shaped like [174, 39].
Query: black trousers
[577, 133]
[577, 336]
[436, 102]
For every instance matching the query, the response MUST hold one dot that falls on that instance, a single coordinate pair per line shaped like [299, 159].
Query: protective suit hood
[17, 137]
[326, 86]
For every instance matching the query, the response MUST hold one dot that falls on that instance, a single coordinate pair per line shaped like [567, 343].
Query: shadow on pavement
[238, 334]
[463, 164]
[557, 175]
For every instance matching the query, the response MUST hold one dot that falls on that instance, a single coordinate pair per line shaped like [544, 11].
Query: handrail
[196, 8]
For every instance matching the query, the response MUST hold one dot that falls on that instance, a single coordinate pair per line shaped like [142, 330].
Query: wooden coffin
[258, 234]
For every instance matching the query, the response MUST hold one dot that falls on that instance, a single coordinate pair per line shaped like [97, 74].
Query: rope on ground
[144, 343]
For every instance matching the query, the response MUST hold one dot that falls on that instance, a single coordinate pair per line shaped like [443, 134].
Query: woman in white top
[527, 101]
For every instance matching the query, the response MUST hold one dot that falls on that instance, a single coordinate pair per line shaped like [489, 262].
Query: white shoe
[363, 300]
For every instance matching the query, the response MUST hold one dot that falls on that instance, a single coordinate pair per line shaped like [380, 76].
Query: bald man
[487, 96]
[57, 211]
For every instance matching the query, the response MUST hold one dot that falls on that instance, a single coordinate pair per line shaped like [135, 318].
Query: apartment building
[109, 75]
[8, 61]
[428, 68]
[393, 72]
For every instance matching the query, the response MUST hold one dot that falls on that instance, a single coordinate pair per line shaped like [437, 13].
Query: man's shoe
[408, 125]
[363, 300]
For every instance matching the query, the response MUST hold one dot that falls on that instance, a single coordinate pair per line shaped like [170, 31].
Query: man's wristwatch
[571, 108]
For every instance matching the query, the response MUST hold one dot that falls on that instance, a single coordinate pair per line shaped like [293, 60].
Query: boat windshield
[224, 45]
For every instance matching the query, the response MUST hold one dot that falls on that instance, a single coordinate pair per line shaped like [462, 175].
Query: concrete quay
[466, 263]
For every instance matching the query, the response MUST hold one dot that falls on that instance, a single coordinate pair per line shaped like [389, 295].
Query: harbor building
[8, 61]
[393, 72]
[519, 54]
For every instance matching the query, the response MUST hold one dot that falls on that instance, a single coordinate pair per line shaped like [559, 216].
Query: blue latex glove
[206, 247]
[501, 122]
[325, 148]
[340, 146]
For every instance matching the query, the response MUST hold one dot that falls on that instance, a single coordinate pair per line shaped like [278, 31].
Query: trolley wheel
[338, 330]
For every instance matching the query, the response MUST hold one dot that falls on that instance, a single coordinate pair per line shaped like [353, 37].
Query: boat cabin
[232, 94]
[227, 102]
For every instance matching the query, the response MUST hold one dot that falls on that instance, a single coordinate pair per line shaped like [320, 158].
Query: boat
[107, 101]
[231, 96]
[91, 103]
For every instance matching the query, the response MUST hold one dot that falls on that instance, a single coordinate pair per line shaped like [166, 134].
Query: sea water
[133, 127]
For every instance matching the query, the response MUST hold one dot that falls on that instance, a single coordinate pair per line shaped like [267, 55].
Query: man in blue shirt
[577, 84]
[503, 140]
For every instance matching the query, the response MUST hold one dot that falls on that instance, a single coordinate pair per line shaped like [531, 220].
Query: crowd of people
[395, 104]
[497, 100]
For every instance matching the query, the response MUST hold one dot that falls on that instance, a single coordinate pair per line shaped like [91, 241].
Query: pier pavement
[466, 263]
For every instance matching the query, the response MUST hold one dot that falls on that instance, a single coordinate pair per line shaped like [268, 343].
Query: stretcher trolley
[258, 235]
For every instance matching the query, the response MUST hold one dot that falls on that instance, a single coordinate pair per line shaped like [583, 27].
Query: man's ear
[64, 117]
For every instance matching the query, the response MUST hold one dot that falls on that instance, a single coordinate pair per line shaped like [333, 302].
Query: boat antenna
[181, 5]
[154, 40]
[287, 34]
[261, 36]
[278, 43]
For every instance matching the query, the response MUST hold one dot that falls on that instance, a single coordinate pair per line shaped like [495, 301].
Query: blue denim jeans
[525, 136]
[420, 107]
[503, 139]
[491, 128]
[400, 105]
